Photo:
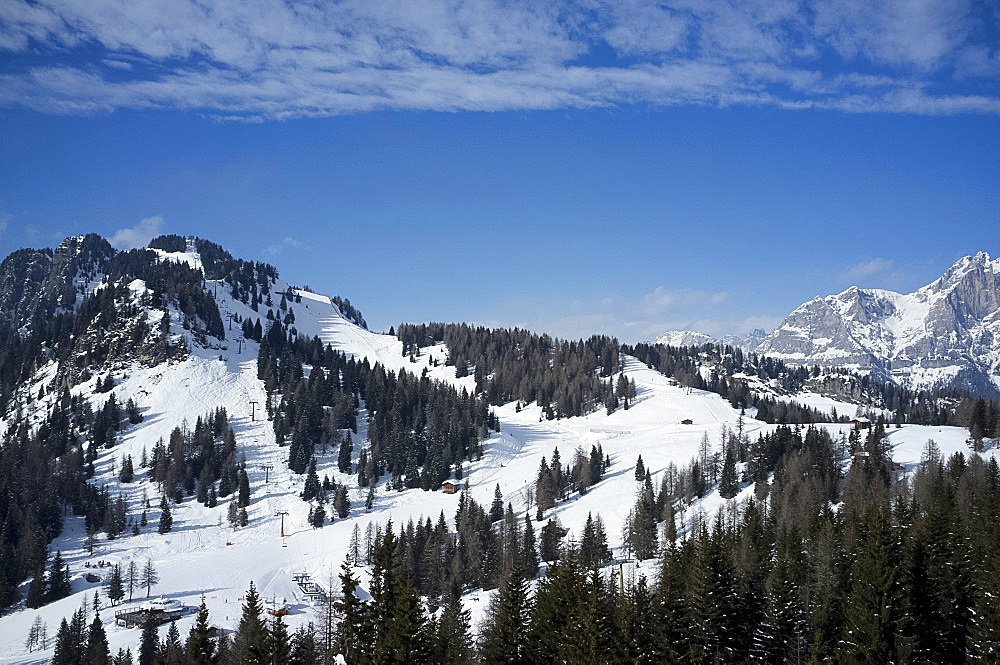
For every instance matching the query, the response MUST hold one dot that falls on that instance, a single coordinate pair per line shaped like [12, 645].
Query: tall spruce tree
[504, 631]
[356, 630]
[149, 643]
[251, 642]
[166, 519]
[98, 652]
[200, 648]
[280, 643]
[454, 644]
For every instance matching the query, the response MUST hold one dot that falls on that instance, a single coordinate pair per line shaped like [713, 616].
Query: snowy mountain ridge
[747, 342]
[945, 333]
[202, 556]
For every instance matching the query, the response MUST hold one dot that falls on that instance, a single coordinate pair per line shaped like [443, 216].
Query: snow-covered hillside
[203, 556]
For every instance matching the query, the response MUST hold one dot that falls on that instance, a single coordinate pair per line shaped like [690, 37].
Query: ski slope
[203, 556]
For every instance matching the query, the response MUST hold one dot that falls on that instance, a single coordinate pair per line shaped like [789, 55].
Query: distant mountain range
[944, 334]
[746, 342]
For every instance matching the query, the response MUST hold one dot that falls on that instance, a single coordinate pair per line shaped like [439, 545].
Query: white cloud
[640, 318]
[277, 248]
[117, 64]
[138, 235]
[3, 226]
[267, 59]
[865, 269]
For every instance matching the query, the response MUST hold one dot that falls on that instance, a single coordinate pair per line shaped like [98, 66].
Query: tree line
[419, 431]
[683, 363]
[563, 377]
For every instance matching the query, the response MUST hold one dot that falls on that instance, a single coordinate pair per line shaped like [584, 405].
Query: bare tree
[91, 539]
[37, 634]
[149, 577]
[132, 577]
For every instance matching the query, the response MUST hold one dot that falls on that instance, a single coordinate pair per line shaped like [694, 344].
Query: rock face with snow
[747, 342]
[683, 338]
[35, 282]
[946, 333]
[691, 338]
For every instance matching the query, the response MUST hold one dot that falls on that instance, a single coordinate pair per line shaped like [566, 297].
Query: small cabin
[687, 421]
[860, 423]
[451, 486]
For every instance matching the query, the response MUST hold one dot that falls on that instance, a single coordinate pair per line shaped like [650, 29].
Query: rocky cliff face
[946, 333]
[35, 283]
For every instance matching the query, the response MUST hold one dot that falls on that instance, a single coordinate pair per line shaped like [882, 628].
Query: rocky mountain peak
[941, 334]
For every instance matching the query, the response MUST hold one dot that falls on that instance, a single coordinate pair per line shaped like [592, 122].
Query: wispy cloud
[3, 227]
[277, 248]
[138, 235]
[642, 318]
[867, 268]
[267, 59]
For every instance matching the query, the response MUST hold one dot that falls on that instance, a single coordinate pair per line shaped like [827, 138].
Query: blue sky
[621, 168]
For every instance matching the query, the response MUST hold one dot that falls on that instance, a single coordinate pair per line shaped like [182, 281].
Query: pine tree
[312, 486]
[558, 609]
[58, 583]
[244, 492]
[149, 643]
[318, 516]
[345, 453]
[545, 488]
[496, 510]
[728, 483]
[529, 552]
[69, 646]
[551, 536]
[97, 644]
[504, 631]
[200, 648]
[454, 645]
[36, 589]
[403, 634]
[116, 589]
[341, 502]
[640, 470]
[127, 473]
[305, 650]
[250, 643]
[280, 646]
[355, 632]
[166, 520]
[871, 606]
[171, 652]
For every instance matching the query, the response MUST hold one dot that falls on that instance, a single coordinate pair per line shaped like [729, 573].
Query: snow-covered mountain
[183, 371]
[746, 342]
[946, 333]
[683, 338]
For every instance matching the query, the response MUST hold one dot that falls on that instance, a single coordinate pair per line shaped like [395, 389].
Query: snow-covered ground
[203, 556]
